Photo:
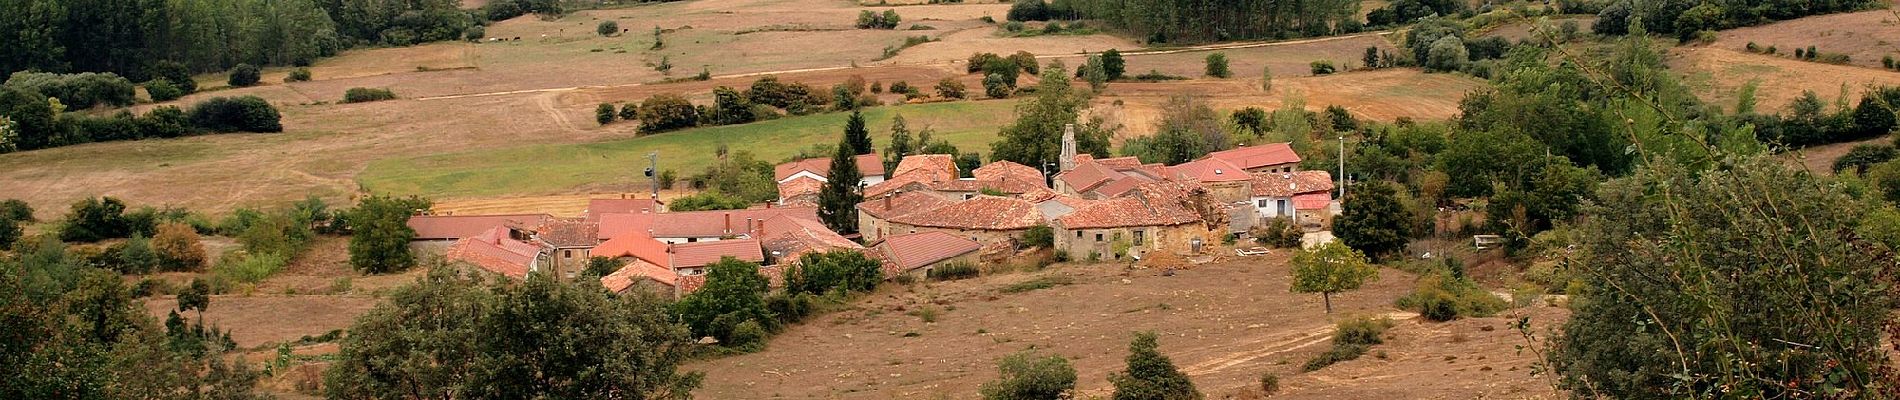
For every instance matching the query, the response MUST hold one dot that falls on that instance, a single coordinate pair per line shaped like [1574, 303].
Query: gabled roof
[1121, 163]
[1210, 170]
[788, 238]
[568, 233]
[937, 167]
[1122, 185]
[799, 187]
[1250, 157]
[493, 250]
[1291, 183]
[1086, 176]
[912, 251]
[1312, 201]
[720, 223]
[693, 255]
[614, 224]
[598, 207]
[1161, 203]
[904, 202]
[868, 165]
[461, 226]
[638, 271]
[1009, 177]
[634, 244]
[982, 213]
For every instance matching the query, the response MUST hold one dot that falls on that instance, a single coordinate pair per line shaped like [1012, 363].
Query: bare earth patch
[1718, 73]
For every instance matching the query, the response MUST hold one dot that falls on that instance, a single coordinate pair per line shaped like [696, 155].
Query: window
[1262, 203]
[1098, 237]
[1078, 233]
[967, 196]
[692, 240]
[1138, 236]
[567, 254]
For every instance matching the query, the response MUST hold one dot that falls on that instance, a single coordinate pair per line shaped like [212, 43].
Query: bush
[236, 114]
[77, 91]
[95, 219]
[163, 90]
[243, 75]
[10, 232]
[1351, 338]
[950, 88]
[174, 72]
[178, 247]
[980, 61]
[1217, 66]
[1278, 233]
[1028, 10]
[380, 234]
[298, 75]
[16, 210]
[665, 112]
[249, 267]
[364, 95]
[1322, 67]
[1863, 156]
[1024, 376]
[1269, 384]
[996, 86]
[1039, 236]
[703, 201]
[953, 271]
[1447, 54]
[1446, 296]
[1151, 375]
[1026, 62]
[607, 28]
[900, 87]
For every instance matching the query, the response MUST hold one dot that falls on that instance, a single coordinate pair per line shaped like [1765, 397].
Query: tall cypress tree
[857, 139]
[837, 203]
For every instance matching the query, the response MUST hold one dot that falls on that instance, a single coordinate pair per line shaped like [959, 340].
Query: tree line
[1175, 21]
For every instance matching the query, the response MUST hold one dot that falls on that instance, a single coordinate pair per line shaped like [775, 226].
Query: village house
[437, 232]
[1266, 158]
[799, 181]
[1093, 178]
[499, 249]
[1161, 216]
[874, 214]
[1304, 196]
[716, 225]
[1224, 181]
[985, 219]
[596, 208]
[567, 245]
[919, 253]
[916, 172]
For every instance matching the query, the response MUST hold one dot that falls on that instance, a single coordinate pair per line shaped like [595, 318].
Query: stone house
[874, 214]
[984, 219]
[1303, 196]
[919, 253]
[1266, 158]
[1163, 216]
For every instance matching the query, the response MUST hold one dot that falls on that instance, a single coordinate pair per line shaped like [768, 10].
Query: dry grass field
[1382, 95]
[1224, 324]
[1864, 36]
[1717, 71]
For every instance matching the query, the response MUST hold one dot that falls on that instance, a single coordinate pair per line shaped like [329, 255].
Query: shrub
[665, 112]
[1269, 384]
[364, 95]
[77, 91]
[1024, 376]
[10, 232]
[1446, 296]
[17, 210]
[979, 61]
[243, 75]
[1151, 375]
[1445, 55]
[163, 90]
[1217, 66]
[950, 88]
[1886, 61]
[996, 86]
[953, 271]
[1157, 76]
[249, 267]
[235, 114]
[1863, 156]
[1026, 62]
[298, 75]
[1322, 67]
[607, 28]
[178, 247]
[605, 113]
[380, 234]
[1038, 284]
[1277, 233]
[1351, 338]
[95, 219]
[1041, 236]
[174, 72]
[900, 87]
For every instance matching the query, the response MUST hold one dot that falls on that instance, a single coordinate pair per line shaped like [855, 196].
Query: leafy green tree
[950, 88]
[243, 75]
[900, 144]
[1113, 64]
[380, 234]
[630, 112]
[178, 247]
[1331, 268]
[1793, 303]
[1373, 221]
[607, 28]
[665, 112]
[1028, 377]
[605, 114]
[1150, 375]
[844, 271]
[163, 90]
[734, 293]
[838, 200]
[10, 232]
[710, 200]
[857, 138]
[1446, 54]
[236, 114]
[1217, 66]
[95, 219]
[17, 210]
[135, 256]
[731, 107]
[1266, 78]
[1036, 135]
[1094, 73]
[996, 86]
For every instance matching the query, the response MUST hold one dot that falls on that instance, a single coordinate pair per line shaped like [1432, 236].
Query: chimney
[761, 230]
[728, 223]
[887, 199]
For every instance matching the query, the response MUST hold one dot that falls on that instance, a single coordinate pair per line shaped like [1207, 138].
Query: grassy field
[563, 167]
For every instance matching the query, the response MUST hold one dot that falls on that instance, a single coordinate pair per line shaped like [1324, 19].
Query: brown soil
[265, 319]
[1718, 73]
[1382, 95]
[1820, 159]
[1864, 36]
[1224, 324]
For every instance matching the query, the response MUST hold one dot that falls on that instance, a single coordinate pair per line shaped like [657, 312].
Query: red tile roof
[982, 212]
[1010, 173]
[493, 250]
[901, 203]
[720, 223]
[868, 165]
[693, 255]
[938, 167]
[1122, 185]
[1210, 170]
[912, 251]
[1289, 184]
[1121, 163]
[461, 226]
[568, 233]
[1086, 176]
[614, 224]
[1312, 201]
[800, 189]
[787, 238]
[1156, 204]
[1265, 155]
[636, 272]
[598, 207]
[634, 244]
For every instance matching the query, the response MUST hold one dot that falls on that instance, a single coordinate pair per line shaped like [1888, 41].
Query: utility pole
[1342, 166]
[653, 162]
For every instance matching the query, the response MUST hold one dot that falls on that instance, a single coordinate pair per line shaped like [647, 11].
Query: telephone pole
[653, 162]
[1342, 166]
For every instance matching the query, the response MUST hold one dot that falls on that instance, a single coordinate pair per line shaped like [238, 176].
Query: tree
[840, 271]
[95, 219]
[178, 247]
[135, 256]
[950, 88]
[10, 232]
[243, 75]
[1217, 66]
[838, 200]
[1028, 377]
[1036, 135]
[1113, 64]
[857, 138]
[607, 28]
[734, 294]
[1446, 54]
[1863, 156]
[380, 234]
[1331, 268]
[703, 201]
[236, 114]
[665, 112]
[1266, 79]
[1795, 303]
[1150, 375]
[889, 19]
[900, 144]
[1373, 221]
[605, 114]
[1093, 73]
[16, 209]
[731, 107]
[1371, 59]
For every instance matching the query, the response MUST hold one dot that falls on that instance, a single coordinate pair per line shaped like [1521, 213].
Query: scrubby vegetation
[1351, 338]
[364, 95]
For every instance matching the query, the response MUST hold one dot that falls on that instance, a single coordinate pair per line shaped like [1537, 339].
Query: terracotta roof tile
[901, 203]
[1250, 157]
[982, 212]
[1210, 170]
[1155, 204]
[614, 224]
[788, 238]
[493, 250]
[1312, 201]
[638, 271]
[1122, 185]
[598, 207]
[1121, 163]
[912, 251]
[461, 226]
[634, 244]
[1289, 184]
[720, 223]
[940, 167]
[692, 255]
[1086, 176]
[568, 233]
[868, 165]
[800, 188]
